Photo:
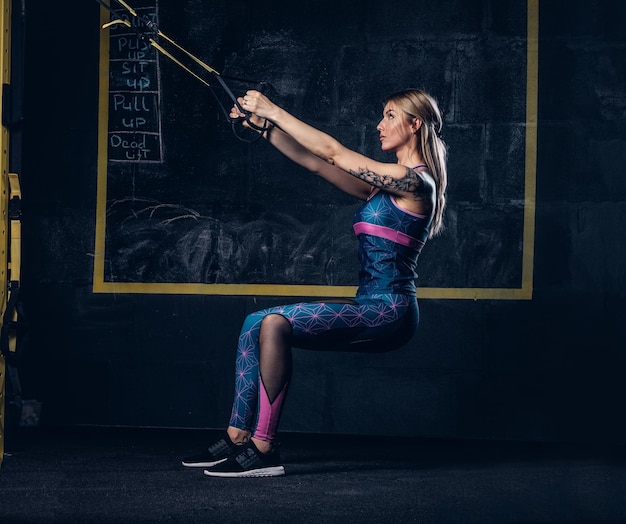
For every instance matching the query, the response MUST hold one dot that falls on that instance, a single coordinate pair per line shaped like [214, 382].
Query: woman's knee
[274, 325]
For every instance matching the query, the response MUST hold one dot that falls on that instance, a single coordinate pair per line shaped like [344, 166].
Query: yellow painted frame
[522, 293]
[5, 71]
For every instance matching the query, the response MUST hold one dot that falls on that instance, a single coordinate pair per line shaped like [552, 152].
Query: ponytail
[435, 153]
[418, 104]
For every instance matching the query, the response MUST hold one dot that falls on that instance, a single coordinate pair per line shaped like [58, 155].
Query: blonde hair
[419, 104]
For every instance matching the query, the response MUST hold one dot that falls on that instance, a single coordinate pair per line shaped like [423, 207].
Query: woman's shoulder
[420, 198]
[423, 184]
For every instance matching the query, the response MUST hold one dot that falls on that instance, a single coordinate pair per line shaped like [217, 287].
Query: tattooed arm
[416, 189]
[411, 182]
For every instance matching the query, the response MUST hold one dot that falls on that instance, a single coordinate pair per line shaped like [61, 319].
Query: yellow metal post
[5, 69]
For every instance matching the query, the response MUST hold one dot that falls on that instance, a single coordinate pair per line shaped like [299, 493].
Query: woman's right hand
[236, 113]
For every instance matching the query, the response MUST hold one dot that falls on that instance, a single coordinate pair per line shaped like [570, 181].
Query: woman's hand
[235, 112]
[253, 109]
[257, 103]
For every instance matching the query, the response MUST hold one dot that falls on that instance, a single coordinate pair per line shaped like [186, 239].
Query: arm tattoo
[411, 182]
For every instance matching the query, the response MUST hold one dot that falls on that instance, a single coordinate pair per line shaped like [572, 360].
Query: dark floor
[134, 475]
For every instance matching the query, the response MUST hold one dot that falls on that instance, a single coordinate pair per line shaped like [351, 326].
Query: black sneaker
[248, 461]
[218, 452]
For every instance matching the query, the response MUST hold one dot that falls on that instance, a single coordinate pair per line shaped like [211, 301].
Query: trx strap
[148, 31]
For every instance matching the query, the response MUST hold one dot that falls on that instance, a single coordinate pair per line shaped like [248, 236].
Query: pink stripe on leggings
[269, 414]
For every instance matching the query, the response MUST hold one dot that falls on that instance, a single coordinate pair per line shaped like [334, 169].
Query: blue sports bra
[390, 240]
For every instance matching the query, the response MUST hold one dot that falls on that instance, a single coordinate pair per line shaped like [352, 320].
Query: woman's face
[393, 128]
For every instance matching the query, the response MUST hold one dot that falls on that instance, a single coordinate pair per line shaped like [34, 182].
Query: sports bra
[390, 241]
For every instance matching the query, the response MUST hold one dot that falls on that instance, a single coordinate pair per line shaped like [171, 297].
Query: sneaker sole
[274, 471]
[203, 464]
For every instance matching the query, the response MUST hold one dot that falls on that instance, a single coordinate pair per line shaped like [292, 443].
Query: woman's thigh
[377, 323]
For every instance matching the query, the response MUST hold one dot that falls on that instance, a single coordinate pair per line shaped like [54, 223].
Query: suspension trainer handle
[261, 88]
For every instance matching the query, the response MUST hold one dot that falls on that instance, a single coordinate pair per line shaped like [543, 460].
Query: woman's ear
[415, 125]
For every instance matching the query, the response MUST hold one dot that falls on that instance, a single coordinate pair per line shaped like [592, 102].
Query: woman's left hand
[257, 103]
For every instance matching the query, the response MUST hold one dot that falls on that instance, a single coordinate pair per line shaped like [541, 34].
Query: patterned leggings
[373, 323]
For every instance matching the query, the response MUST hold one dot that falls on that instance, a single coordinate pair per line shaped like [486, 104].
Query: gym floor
[120, 475]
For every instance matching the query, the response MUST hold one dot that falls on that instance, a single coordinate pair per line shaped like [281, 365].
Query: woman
[403, 207]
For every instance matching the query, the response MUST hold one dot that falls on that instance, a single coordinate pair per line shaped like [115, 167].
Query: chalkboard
[185, 207]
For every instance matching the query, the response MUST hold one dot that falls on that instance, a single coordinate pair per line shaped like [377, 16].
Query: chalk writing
[134, 147]
[134, 93]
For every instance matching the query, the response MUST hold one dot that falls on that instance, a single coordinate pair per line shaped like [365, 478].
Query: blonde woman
[403, 205]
